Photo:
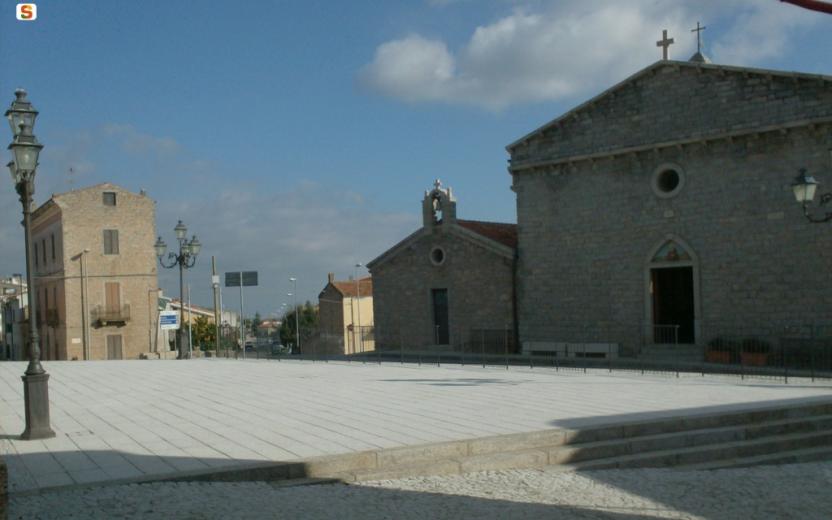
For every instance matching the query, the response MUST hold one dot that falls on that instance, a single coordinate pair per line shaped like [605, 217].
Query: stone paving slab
[118, 420]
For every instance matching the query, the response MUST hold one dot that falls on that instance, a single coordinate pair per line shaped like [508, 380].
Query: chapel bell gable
[438, 206]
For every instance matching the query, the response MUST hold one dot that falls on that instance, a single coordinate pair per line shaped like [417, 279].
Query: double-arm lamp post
[25, 150]
[805, 186]
[185, 259]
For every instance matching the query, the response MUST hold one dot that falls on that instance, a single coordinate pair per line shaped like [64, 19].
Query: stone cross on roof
[664, 43]
[437, 184]
[698, 31]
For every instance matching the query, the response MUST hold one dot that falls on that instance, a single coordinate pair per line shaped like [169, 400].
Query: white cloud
[761, 31]
[134, 141]
[305, 231]
[570, 48]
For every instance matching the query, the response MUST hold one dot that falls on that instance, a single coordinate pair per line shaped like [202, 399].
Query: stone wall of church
[586, 231]
[479, 284]
[674, 101]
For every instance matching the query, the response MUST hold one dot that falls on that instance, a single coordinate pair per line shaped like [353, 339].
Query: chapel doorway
[673, 305]
[441, 331]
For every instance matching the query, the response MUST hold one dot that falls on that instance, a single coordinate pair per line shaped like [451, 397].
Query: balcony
[52, 318]
[104, 316]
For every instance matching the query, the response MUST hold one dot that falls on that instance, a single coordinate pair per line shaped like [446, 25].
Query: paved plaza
[121, 420]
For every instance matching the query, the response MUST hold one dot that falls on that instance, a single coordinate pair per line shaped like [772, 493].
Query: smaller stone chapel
[451, 282]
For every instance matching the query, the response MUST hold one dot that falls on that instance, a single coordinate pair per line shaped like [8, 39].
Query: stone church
[659, 211]
[448, 282]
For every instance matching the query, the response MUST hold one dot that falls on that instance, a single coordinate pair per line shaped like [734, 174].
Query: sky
[297, 137]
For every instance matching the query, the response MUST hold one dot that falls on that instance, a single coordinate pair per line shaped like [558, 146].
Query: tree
[255, 323]
[204, 333]
[308, 322]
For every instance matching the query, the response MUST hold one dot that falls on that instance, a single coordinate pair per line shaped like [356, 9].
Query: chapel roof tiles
[501, 232]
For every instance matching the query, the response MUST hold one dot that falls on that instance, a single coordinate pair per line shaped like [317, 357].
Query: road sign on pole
[168, 320]
[241, 279]
[249, 279]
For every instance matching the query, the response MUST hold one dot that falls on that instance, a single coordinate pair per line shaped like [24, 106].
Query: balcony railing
[109, 315]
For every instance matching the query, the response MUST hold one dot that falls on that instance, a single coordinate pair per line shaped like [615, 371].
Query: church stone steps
[773, 435]
[711, 452]
[820, 454]
[685, 439]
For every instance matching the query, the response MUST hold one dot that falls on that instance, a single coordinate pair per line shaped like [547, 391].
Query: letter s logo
[27, 12]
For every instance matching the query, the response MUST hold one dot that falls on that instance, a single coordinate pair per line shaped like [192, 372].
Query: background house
[346, 320]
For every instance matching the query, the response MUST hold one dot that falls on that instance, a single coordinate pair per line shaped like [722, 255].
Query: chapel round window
[668, 180]
[437, 256]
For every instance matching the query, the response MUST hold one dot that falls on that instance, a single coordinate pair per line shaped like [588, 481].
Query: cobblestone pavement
[781, 492]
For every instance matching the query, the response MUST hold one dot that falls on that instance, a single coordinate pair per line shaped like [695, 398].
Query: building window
[668, 180]
[437, 256]
[110, 241]
[109, 198]
[36, 255]
[52, 239]
[43, 246]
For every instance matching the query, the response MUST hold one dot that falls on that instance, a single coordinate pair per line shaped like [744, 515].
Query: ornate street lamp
[805, 186]
[186, 259]
[25, 150]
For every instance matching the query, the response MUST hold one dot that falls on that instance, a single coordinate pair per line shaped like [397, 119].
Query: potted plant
[755, 352]
[719, 350]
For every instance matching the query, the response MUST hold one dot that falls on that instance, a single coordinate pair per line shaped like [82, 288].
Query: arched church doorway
[672, 294]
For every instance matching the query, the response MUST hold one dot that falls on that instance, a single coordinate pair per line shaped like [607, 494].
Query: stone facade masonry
[676, 100]
[77, 220]
[478, 280]
[587, 228]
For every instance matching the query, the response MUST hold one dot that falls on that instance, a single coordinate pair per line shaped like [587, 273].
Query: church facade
[661, 211]
[658, 212]
[449, 285]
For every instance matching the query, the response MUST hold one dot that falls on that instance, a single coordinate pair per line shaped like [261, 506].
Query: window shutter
[110, 241]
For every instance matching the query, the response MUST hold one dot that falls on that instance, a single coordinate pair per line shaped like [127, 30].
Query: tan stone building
[95, 274]
[345, 308]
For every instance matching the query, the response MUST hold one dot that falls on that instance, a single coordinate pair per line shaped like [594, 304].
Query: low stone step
[442, 467]
[687, 447]
[684, 439]
[819, 454]
[711, 452]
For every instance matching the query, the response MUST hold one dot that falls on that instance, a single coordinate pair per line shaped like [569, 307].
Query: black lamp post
[25, 150]
[804, 187]
[185, 260]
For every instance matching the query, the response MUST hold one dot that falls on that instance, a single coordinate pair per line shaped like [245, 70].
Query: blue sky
[297, 137]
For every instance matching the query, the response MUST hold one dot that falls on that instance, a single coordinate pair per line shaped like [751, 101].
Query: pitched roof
[348, 288]
[501, 232]
[650, 69]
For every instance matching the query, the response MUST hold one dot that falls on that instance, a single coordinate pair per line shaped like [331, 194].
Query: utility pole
[215, 281]
[242, 320]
